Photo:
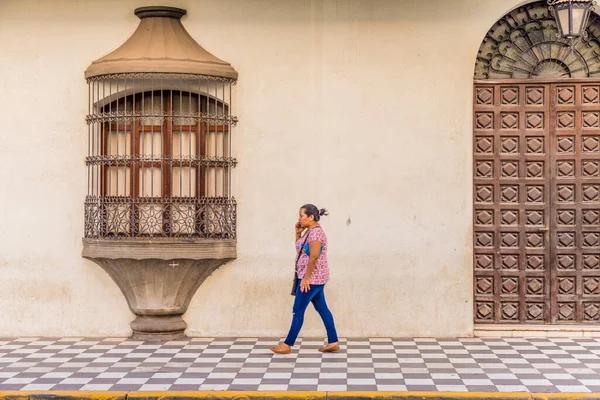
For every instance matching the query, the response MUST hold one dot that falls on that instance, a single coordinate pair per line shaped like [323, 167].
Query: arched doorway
[536, 147]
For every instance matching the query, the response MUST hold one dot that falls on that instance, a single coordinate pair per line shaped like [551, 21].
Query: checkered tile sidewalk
[470, 364]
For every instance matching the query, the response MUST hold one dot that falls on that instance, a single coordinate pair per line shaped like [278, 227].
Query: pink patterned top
[320, 274]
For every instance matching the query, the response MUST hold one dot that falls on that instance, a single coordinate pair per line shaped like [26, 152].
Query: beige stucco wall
[360, 106]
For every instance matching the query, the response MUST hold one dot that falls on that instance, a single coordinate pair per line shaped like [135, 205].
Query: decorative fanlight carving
[526, 43]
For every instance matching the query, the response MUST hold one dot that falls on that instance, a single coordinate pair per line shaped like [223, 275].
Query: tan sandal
[281, 349]
[330, 348]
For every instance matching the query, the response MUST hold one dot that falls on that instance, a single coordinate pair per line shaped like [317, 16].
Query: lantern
[571, 17]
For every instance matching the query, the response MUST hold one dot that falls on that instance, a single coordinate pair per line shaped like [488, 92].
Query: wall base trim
[539, 331]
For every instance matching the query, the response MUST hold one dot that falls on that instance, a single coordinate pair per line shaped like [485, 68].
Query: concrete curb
[223, 395]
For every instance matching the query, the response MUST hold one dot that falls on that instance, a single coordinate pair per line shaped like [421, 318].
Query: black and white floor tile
[371, 364]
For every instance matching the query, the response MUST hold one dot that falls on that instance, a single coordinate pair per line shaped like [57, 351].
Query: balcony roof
[161, 44]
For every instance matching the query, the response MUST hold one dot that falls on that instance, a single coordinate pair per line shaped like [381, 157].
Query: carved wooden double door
[537, 202]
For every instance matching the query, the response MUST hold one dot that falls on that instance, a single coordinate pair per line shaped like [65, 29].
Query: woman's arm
[315, 252]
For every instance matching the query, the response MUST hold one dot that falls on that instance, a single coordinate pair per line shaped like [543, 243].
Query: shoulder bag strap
[300, 252]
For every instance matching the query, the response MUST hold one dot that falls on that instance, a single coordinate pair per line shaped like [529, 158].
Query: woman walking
[312, 272]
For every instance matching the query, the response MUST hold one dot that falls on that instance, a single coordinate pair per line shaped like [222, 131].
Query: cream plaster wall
[360, 106]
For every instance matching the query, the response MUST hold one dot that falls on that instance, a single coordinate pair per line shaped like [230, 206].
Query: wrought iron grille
[159, 157]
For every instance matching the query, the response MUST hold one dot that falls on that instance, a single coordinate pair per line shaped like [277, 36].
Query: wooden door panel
[575, 223]
[511, 203]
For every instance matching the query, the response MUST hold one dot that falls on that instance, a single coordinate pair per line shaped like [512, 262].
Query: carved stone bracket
[159, 278]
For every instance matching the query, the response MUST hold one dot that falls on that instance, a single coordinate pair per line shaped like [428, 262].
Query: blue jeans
[315, 295]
